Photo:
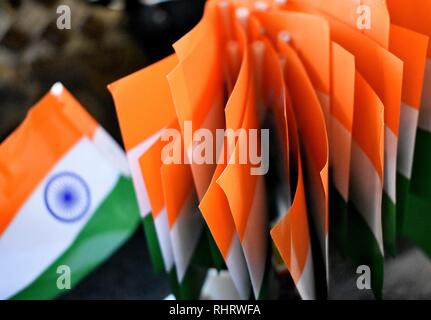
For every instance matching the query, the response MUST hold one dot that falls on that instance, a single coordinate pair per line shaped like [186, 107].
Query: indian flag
[173, 229]
[66, 198]
[186, 225]
[217, 214]
[292, 239]
[340, 135]
[423, 141]
[291, 233]
[365, 245]
[196, 87]
[314, 143]
[135, 97]
[411, 47]
[246, 196]
[370, 50]
[197, 91]
[416, 222]
[171, 192]
[214, 205]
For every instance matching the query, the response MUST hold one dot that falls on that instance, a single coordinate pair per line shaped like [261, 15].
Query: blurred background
[108, 40]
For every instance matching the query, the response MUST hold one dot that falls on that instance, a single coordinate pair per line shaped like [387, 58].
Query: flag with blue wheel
[66, 199]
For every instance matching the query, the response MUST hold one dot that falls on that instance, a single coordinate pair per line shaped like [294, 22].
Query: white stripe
[390, 175]
[111, 150]
[161, 223]
[219, 286]
[406, 140]
[255, 241]
[305, 285]
[341, 140]
[36, 238]
[425, 112]
[283, 199]
[185, 235]
[366, 191]
[237, 267]
[133, 156]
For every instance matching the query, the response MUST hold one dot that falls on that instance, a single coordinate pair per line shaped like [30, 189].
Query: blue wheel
[67, 197]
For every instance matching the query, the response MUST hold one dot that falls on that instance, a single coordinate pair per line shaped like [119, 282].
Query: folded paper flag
[415, 177]
[66, 199]
[289, 122]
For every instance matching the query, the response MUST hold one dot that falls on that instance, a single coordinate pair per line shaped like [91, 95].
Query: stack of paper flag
[66, 199]
[281, 121]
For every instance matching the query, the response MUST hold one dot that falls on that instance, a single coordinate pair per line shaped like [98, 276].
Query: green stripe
[421, 174]
[339, 215]
[417, 223]
[403, 186]
[191, 286]
[417, 218]
[153, 243]
[173, 282]
[363, 249]
[156, 254]
[109, 227]
[270, 285]
[389, 224]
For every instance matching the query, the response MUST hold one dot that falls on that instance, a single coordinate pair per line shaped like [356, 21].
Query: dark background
[108, 40]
